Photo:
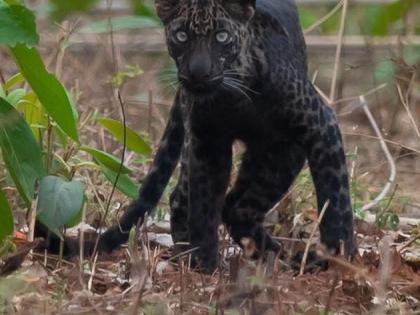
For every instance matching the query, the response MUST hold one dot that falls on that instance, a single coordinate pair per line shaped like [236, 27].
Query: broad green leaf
[124, 184]
[17, 25]
[6, 218]
[106, 159]
[21, 153]
[49, 90]
[59, 202]
[15, 96]
[61, 8]
[13, 81]
[34, 113]
[79, 215]
[134, 141]
[120, 23]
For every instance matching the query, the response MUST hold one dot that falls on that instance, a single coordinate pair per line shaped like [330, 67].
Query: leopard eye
[222, 37]
[181, 36]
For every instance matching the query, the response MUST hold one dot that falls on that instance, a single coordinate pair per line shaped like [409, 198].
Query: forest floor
[382, 279]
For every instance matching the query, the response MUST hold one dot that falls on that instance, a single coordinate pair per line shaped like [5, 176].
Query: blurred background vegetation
[359, 47]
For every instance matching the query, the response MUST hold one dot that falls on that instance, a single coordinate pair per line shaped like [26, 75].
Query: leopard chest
[255, 124]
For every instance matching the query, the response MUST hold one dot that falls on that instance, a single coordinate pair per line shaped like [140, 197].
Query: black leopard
[242, 74]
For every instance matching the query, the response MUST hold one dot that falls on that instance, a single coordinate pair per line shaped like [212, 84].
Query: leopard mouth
[201, 87]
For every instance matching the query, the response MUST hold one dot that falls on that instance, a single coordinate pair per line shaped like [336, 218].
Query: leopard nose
[199, 69]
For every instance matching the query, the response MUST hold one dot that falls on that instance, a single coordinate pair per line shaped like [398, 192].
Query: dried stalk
[324, 18]
[393, 169]
[338, 51]
[404, 102]
[308, 244]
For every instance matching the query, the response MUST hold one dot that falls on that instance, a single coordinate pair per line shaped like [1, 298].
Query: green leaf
[17, 25]
[120, 23]
[128, 72]
[6, 218]
[49, 90]
[15, 96]
[13, 81]
[381, 220]
[394, 222]
[34, 113]
[134, 141]
[108, 160]
[79, 216]
[59, 202]
[21, 152]
[124, 184]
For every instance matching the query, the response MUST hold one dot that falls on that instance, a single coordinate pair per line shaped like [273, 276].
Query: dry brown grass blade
[324, 18]
[391, 162]
[404, 102]
[340, 41]
[308, 244]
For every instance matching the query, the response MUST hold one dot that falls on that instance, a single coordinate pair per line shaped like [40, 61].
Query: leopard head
[206, 39]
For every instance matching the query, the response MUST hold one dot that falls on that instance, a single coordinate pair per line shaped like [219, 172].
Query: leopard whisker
[235, 72]
[237, 88]
[241, 84]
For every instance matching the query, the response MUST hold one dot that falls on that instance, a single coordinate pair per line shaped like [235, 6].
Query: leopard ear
[165, 9]
[243, 10]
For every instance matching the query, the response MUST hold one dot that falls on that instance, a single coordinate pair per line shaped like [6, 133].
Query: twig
[323, 95]
[324, 18]
[81, 247]
[356, 98]
[183, 253]
[403, 247]
[308, 244]
[338, 51]
[90, 282]
[404, 102]
[393, 170]
[355, 134]
[95, 191]
[32, 219]
[385, 254]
